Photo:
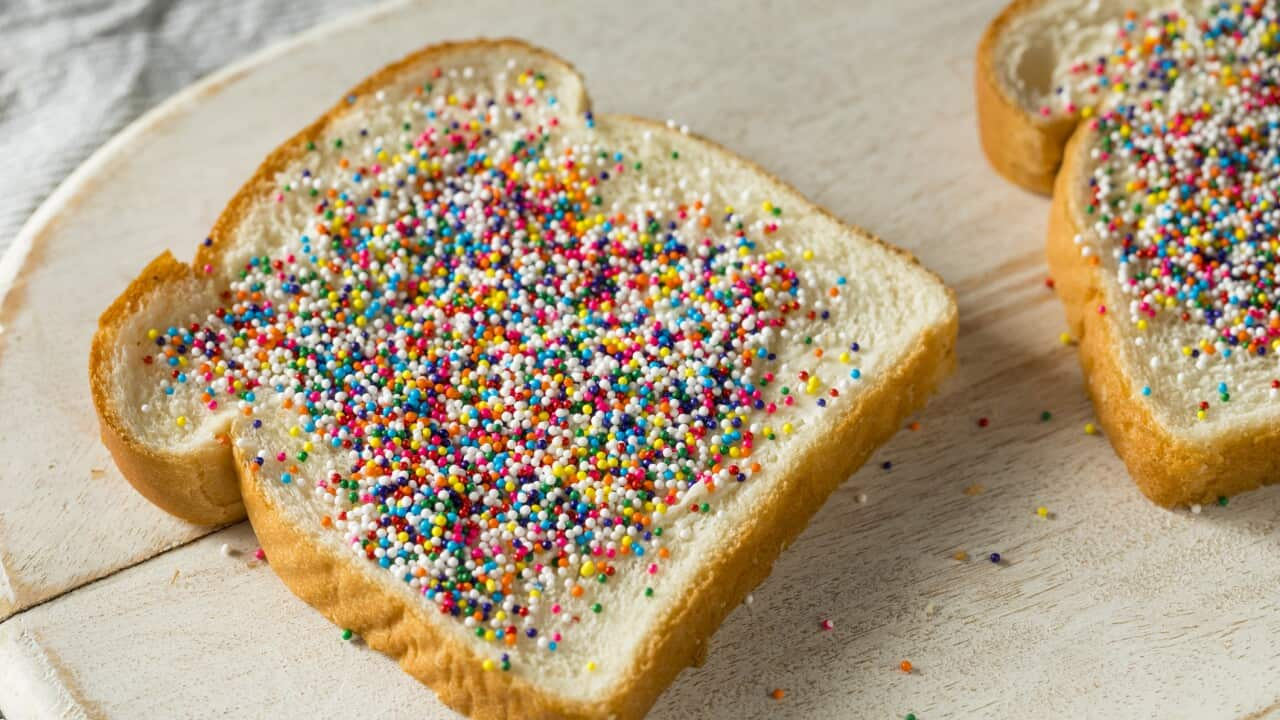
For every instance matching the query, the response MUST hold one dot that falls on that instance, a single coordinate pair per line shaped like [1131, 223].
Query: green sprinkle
[311, 146]
[1223, 500]
[1045, 416]
[347, 634]
[596, 608]
[337, 143]
[648, 592]
[675, 155]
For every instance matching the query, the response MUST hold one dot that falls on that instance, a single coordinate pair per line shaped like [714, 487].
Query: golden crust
[1169, 470]
[1023, 147]
[344, 593]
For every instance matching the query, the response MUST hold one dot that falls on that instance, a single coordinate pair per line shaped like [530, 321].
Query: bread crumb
[174, 579]
[974, 489]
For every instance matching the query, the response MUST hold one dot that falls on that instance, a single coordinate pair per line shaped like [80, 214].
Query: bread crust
[1024, 148]
[345, 592]
[1167, 469]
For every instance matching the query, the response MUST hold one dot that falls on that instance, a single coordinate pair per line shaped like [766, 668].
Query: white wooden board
[1111, 607]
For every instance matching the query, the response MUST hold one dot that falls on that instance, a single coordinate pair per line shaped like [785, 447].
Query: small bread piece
[528, 398]
[1178, 337]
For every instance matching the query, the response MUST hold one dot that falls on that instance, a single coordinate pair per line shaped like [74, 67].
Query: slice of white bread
[1191, 422]
[871, 335]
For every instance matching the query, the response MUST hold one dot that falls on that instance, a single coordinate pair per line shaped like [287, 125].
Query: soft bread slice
[890, 340]
[1020, 64]
[1144, 389]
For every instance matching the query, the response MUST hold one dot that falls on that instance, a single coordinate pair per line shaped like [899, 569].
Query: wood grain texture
[1111, 607]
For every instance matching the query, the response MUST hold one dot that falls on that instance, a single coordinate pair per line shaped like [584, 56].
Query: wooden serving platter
[1107, 607]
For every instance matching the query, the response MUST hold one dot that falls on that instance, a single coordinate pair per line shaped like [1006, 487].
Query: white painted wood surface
[1109, 608]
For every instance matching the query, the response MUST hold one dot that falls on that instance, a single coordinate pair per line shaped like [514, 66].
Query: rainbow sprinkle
[1185, 114]
[503, 383]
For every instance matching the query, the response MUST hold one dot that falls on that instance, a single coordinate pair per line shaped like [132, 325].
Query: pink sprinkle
[828, 625]
[260, 554]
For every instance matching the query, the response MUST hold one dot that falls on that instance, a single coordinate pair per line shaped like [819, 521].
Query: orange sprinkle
[778, 694]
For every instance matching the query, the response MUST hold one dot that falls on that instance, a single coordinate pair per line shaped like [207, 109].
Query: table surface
[1109, 607]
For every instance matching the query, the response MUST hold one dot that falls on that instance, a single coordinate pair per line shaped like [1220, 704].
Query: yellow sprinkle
[591, 666]
[1065, 338]
[807, 254]
[786, 428]
[487, 665]
[1042, 511]
[152, 334]
[588, 569]
[182, 420]
[1090, 429]
[1201, 415]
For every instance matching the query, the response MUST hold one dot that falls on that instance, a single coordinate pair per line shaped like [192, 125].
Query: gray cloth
[74, 72]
